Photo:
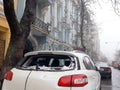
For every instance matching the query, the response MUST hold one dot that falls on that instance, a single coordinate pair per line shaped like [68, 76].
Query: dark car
[104, 69]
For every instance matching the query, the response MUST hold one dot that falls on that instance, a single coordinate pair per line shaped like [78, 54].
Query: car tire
[100, 87]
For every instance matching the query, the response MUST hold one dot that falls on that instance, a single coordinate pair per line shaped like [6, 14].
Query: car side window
[88, 63]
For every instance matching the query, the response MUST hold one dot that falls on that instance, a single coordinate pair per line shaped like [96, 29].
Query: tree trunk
[14, 52]
[82, 23]
[19, 32]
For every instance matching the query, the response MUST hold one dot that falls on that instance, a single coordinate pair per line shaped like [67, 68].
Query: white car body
[49, 80]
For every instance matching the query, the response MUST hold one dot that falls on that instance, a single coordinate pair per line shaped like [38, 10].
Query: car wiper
[37, 67]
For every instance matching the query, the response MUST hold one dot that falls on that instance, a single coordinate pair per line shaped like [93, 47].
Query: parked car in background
[53, 70]
[104, 69]
[116, 64]
[119, 66]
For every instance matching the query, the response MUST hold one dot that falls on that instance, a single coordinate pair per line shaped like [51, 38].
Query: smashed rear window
[48, 62]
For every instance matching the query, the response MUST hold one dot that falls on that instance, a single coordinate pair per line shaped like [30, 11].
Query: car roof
[102, 64]
[73, 53]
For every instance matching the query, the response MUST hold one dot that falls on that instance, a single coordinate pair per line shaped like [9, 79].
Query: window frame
[90, 65]
[22, 63]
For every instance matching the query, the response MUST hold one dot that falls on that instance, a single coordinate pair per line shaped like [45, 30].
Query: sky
[109, 28]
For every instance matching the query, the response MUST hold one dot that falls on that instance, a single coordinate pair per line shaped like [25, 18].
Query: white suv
[53, 70]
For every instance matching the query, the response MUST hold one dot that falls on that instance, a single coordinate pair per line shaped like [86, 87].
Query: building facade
[63, 18]
[4, 34]
[56, 25]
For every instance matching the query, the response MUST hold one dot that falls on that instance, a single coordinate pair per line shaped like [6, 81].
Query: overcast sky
[109, 27]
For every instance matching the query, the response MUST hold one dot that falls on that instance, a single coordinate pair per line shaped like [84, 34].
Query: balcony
[39, 27]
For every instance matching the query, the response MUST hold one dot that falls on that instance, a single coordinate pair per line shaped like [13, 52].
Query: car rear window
[48, 62]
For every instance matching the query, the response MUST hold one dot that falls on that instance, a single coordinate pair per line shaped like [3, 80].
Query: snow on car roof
[74, 53]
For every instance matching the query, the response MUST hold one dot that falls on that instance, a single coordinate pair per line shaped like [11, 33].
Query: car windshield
[48, 62]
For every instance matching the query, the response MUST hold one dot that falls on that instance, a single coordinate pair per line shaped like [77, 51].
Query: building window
[79, 41]
[63, 34]
[67, 36]
[48, 15]
[63, 9]
[59, 12]
[68, 11]
[38, 11]
[55, 15]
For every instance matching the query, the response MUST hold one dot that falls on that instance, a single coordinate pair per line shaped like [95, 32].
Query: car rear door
[66, 80]
[46, 80]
